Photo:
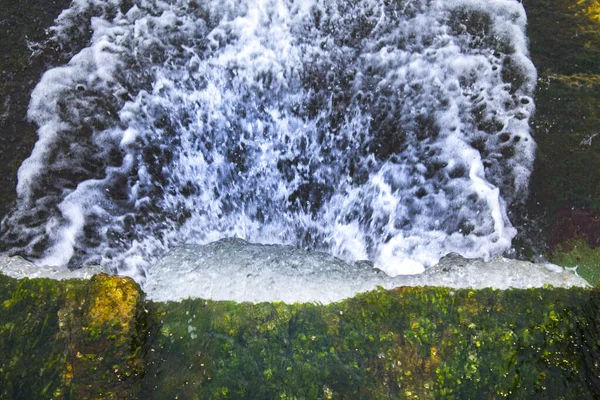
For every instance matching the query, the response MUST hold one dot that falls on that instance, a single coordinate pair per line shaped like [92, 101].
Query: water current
[392, 131]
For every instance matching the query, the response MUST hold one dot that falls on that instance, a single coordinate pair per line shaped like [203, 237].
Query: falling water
[394, 131]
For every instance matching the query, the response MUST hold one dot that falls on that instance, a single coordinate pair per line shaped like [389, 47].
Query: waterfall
[393, 131]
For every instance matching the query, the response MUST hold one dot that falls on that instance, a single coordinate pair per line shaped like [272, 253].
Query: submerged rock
[100, 339]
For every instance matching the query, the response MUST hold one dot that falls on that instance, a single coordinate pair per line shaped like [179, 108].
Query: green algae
[29, 366]
[70, 339]
[101, 339]
[578, 254]
[406, 343]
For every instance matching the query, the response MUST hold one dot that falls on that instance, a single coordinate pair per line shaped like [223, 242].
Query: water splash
[393, 131]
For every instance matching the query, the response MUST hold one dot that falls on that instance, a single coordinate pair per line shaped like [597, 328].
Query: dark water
[21, 24]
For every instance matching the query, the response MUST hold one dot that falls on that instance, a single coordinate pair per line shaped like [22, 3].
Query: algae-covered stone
[32, 349]
[101, 339]
[406, 343]
[105, 324]
[70, 339]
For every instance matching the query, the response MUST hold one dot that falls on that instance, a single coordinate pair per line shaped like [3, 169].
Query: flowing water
[233, 269]
[393, 131]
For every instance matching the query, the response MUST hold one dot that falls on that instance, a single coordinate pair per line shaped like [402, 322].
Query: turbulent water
[394, 131]
[232, 269]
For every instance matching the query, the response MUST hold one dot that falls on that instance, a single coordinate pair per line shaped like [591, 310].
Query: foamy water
[232, 269]
[395, 132]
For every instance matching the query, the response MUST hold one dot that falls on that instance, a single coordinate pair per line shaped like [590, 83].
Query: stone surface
[77, 339]
[99, 339]
[565, 48]
[22, 63]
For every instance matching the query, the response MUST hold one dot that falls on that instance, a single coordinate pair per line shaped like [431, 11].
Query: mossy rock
[70, 339]
[564, 38]
[101, 339]
[408, 343]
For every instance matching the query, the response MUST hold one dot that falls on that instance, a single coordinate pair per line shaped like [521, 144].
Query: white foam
[232, 269]
[19, 268]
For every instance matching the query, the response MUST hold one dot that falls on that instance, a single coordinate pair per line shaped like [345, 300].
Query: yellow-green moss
[70, 339]
[114, 302]
[591, 9]
[413, 343]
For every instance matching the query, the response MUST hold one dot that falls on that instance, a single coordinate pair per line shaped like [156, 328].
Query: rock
[100, 338]
[410, 342]
[71, 338]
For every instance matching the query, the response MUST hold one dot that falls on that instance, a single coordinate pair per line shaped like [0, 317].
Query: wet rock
[565, 47]
[99, 338]
[71, 339]
[410, 342]
[21, 66]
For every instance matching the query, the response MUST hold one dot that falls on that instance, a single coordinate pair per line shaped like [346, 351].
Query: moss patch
[70, 339]
[578, 254]
[106, 329]
[60, 340]
[115, 300]
[408, 343]
[32, 357]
